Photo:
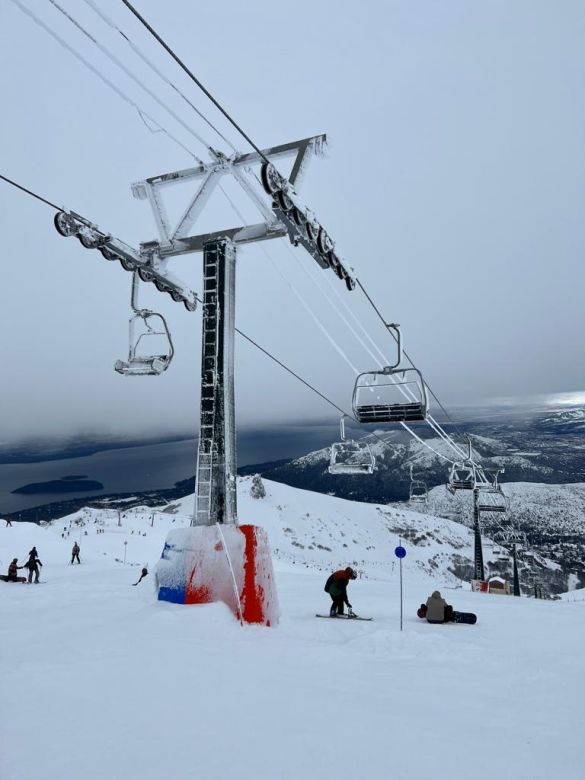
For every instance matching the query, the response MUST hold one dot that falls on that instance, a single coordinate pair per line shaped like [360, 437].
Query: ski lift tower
[190, 570]
[215, 489]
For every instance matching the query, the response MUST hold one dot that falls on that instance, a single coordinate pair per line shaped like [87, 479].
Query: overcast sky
[454, 184]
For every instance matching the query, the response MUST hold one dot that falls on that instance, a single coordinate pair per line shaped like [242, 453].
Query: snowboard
[341, 617]
[465, 617]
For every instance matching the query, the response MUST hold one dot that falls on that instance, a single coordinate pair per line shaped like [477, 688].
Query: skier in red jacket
[336, 587]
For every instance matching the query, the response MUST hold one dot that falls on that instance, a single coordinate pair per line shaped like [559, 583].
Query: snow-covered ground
[99, 680]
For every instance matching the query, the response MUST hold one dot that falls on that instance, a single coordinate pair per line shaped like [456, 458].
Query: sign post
[125, 545]
[400, 553]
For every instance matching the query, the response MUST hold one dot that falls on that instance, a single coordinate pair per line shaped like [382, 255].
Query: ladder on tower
[206, 461]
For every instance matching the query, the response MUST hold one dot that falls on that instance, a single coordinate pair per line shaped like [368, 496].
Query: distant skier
[142, 576]
[75, 553]
[336, 587]
[32, 565]
[8, 522]
[436, 610]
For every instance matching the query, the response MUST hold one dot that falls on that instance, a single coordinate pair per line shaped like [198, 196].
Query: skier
[142, 576]
[32, 565]
[75, 553]
[12, 572]
[8, 522]
[436, 610]
[336, 587]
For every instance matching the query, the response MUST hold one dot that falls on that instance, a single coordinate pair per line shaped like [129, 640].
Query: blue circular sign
[400, 552]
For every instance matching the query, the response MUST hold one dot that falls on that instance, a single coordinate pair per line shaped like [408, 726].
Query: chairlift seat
[351, 457]
[153, 366]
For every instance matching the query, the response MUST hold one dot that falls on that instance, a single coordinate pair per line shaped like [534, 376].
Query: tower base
[194, 569]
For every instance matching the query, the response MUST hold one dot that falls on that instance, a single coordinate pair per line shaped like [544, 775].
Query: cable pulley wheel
[107, 254]
[90, 241]
[271, 179]
[284, 201]
[65, 224]
[145, 274]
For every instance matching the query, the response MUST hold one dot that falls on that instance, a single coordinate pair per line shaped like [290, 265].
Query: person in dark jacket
[336, 587]
[142, 575]
[75, 553]
[436, 610]
[32, 565]
[13, 571]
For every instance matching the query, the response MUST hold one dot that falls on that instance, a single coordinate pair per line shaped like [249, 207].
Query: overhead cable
[101, 76]
[139, 53]
[30, 192]
[130, 74]
[181, 64]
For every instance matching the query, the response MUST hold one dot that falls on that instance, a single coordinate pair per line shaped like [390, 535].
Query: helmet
[351, 573]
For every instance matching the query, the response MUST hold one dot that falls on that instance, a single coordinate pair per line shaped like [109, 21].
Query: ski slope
[99, 680]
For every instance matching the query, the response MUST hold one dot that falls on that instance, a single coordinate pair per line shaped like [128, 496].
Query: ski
[347, 617]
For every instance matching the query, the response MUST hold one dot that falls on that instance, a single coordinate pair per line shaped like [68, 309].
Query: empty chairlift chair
[350, 457]
[150, 345]
[491, 496]
[463, 474]
[390, 394]
[418, 489]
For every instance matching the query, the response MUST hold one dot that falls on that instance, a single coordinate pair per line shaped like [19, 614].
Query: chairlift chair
[418, 489]
[350, 457]
[463, 474]
[390, 394]
[147, 329]
[491, 496]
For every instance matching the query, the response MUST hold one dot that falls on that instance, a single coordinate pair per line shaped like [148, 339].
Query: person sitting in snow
[13, 571]
[336, 587]
[436, 610]
[75, 553]
[32, 565]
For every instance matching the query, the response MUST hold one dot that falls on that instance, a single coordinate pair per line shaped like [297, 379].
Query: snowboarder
[336, 587]
[142, 576]
[13, 572]
[32, 565]
[436, 610]
[75, 553]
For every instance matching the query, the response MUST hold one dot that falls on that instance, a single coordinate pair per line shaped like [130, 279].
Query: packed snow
[100, 680]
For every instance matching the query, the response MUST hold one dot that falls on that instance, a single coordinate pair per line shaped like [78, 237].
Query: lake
[150, 467]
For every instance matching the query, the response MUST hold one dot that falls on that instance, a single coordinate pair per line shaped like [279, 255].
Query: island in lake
[70, 484]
